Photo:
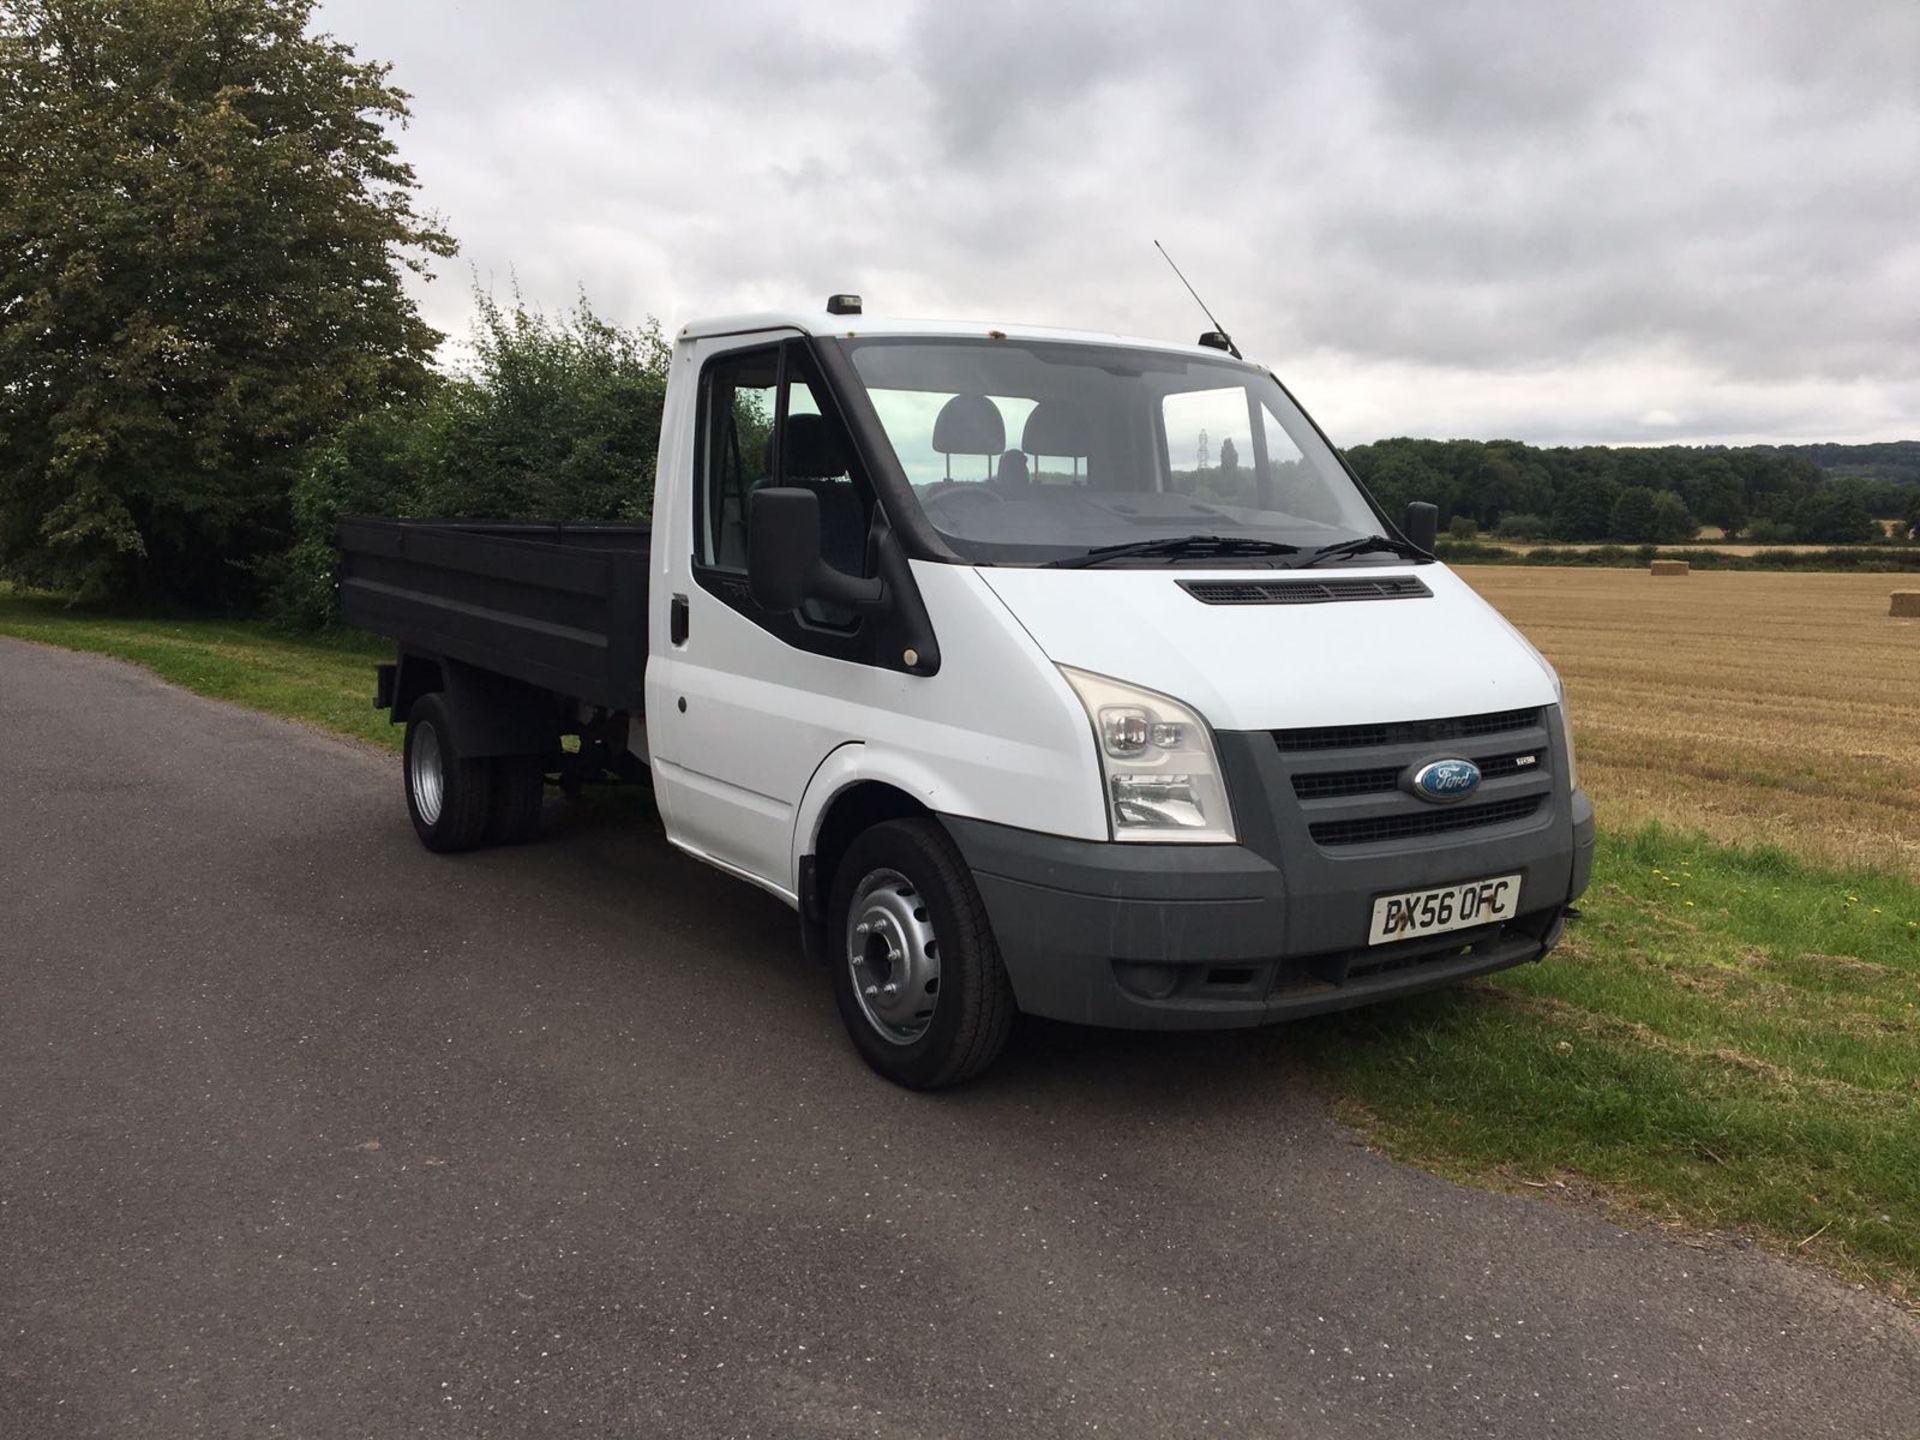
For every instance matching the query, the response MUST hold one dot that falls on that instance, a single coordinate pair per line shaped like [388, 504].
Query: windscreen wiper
[1365, 544]
[1178, 547]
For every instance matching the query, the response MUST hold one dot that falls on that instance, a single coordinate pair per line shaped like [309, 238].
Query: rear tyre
[518, 793]
[447, 796]
[916, 972]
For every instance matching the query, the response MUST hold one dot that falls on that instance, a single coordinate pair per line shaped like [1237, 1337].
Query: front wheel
[916, 972]
[447, 796]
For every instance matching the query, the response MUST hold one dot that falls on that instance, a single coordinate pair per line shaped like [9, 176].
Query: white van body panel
[1268, 667]
[739, 721]
[1017, 750]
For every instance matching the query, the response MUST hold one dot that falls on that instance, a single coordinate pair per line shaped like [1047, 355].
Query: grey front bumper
[1095, 932]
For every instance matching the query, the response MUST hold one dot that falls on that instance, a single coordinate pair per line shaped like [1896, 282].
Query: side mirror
[784, 565]
[1422, 525]
[783, 546]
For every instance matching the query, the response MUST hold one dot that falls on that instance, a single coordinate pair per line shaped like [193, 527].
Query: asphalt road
[304, 1131]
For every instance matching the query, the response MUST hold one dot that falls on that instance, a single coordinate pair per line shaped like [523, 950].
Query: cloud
[1539, 220]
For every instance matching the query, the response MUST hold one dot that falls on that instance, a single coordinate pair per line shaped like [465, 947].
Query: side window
[816, 455]
[740, 400]
[768, 424]
[1209, 445]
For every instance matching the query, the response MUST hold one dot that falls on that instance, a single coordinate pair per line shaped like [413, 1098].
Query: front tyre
[447, 796]
[916, 972]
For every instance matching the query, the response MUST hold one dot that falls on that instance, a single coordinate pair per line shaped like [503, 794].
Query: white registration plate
[1414, 913]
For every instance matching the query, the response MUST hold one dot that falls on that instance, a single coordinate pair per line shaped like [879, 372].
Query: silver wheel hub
[893, 956]
[426, 773]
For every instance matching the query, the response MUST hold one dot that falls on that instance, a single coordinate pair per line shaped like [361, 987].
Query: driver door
[744, 704]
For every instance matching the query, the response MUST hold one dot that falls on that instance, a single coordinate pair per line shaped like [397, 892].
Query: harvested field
[1776, 708]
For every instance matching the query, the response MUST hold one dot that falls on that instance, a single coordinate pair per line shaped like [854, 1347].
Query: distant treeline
[1864, 559]
[1821, 494]
[1897, 461]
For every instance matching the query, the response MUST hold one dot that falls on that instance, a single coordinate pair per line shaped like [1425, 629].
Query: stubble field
[1775, 708]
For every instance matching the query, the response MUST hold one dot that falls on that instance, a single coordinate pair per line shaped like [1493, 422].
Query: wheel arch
[489, 714]
[414, 675]
[857, 785]
[854, 807]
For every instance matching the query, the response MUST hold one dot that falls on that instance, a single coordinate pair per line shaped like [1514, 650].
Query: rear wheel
[916, 973]
[519, 792]
[447, 796]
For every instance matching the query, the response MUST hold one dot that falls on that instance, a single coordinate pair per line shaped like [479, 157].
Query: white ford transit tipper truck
[1036, 670]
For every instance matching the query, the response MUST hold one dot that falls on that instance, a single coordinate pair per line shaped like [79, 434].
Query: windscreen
[1031, 452]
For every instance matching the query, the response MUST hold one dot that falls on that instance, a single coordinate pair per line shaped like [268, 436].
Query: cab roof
[853, 327]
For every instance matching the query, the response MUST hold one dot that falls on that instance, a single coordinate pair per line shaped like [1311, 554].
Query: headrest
[1057, 428]
[969, 425]
[814, 449]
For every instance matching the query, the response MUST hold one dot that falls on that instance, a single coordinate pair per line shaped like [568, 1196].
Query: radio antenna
[1218, 329]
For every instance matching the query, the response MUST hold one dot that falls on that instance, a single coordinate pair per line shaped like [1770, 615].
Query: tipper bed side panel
[559, 606]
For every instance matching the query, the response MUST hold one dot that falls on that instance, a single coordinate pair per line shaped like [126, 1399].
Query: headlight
[1157, 763]
[1566, 732]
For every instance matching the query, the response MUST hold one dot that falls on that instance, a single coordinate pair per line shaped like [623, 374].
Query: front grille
[1408, 826]
[1501, 766]
[1380, 779]
[1305, 592]
[1405, 732]
[1331, 784]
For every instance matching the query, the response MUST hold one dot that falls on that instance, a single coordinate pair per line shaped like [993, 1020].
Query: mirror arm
[839, 588]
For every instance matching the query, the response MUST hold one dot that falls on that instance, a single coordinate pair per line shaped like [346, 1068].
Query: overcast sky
[1561, 223]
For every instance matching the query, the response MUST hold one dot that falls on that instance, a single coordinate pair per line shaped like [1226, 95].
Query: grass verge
[324, 680]
[1728, 1040]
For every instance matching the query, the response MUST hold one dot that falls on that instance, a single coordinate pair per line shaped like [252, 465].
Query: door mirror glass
[783, 554]
[785, 569]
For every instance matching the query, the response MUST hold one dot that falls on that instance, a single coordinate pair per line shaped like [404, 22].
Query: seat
[1058, 428]
[969, 425]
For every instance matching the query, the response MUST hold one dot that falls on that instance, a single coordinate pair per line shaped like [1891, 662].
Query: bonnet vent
[1305, 592]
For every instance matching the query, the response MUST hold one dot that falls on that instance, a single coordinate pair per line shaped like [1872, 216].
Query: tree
[1400, 470]
[1584, 509]
[556, 419]
[1635, 516]
[204, 229]
[1521, 526]
[1833, 519]
[1727, 508]
[1229, 457]
[1672, 525]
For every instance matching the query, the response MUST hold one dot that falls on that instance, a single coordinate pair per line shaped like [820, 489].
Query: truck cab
[1037, 670]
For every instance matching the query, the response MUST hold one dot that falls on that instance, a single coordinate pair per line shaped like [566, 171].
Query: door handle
[677, 620]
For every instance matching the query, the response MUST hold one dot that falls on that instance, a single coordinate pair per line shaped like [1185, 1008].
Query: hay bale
[1670, 567]
[1906, 602]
